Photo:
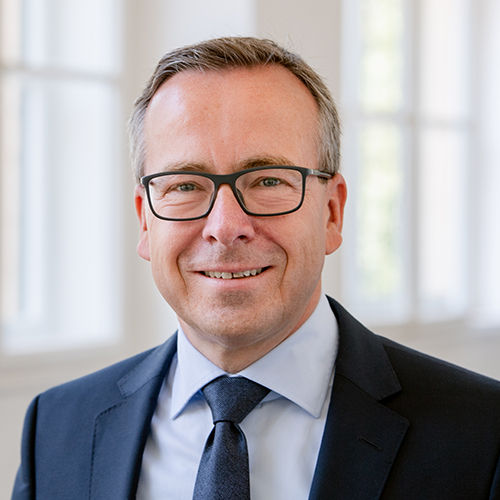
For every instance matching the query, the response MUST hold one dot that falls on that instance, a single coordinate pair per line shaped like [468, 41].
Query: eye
[270, 182]
[184, 187]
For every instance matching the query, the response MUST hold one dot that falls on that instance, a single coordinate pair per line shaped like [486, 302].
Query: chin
[233, 328]
[238, 328]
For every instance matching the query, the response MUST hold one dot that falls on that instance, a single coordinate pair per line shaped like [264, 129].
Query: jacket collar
[121, 431]
[362, 358]
[362, 436]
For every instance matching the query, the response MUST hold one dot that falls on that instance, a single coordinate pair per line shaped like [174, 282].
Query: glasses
[263, 191]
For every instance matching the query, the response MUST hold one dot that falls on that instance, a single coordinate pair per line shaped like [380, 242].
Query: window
[61, 172]
[417, 172]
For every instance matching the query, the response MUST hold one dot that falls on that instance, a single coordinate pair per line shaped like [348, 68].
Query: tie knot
[233, 398]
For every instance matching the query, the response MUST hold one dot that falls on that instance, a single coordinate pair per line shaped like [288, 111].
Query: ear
[337, 195]
[140, 208]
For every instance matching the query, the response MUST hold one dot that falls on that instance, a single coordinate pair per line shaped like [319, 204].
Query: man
[235, 144]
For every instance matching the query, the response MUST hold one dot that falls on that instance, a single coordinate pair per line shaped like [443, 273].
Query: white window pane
[379, 285]
[10, 30]
[443, 223]
[9, 201]
[23, 212]
[78, 35]
[68, 187]
[487, 260]
[381, 84]
[487, 175]
[444, 58]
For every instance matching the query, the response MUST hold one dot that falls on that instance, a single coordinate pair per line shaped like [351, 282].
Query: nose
[227, 223]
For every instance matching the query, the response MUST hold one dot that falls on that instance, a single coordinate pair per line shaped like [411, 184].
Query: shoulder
[431, 377]
[383, 367]
[97, 381]
[112, 382]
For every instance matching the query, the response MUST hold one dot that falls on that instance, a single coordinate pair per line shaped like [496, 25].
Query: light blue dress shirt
[283, 432]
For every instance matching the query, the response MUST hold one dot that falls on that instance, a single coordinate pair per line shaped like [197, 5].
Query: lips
[226, 275]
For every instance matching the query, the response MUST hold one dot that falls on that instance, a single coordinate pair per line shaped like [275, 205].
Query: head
[240, 284]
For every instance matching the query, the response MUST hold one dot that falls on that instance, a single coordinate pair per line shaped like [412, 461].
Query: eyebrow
[262, 161]
[256, 161]
[185, 166]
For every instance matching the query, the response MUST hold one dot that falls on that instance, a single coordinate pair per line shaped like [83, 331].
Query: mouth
[226, 275]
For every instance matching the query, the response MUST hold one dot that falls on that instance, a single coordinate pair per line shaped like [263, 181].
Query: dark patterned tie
[223, 470]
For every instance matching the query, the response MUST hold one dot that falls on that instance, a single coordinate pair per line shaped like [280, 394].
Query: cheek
[304, 245]
[166, 246]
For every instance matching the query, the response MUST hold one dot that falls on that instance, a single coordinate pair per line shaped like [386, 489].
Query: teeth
[228, 276]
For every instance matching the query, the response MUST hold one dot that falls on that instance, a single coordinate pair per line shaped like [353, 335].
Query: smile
[229, 276]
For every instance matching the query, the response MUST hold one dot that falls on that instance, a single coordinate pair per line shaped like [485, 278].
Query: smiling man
[268, 389]
[222, 122]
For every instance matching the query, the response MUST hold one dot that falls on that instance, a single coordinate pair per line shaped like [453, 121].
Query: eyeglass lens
[262, 192]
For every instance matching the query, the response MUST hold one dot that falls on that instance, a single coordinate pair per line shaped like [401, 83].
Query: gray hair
[236, 52]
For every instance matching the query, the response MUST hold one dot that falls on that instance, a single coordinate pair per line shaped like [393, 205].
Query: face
[222, 122]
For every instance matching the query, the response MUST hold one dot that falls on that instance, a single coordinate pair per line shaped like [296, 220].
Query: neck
[232, 359]
[235, 351]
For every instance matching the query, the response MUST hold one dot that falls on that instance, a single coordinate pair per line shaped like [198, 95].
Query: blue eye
[186, 187]
[270, 182]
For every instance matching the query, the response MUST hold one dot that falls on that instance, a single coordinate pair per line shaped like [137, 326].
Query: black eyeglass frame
[230, 179]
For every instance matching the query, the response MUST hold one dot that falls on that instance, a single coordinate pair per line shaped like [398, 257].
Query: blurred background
[417, 83]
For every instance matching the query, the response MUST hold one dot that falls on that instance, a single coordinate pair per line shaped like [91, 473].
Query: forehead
[271, 81]
[243, 111]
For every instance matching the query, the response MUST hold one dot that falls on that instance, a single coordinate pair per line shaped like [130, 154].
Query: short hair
[239, 52]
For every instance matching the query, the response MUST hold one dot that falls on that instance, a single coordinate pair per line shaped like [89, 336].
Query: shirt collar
[299, 369]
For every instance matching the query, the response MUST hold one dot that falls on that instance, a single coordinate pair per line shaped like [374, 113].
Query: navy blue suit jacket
[401, 425]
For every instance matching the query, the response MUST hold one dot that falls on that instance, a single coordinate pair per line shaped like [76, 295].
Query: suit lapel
[362, 436]
[121, 430]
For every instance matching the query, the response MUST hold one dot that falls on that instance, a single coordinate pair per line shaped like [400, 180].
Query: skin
[222, 122]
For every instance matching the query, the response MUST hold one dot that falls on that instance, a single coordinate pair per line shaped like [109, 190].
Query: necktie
[223, 470]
